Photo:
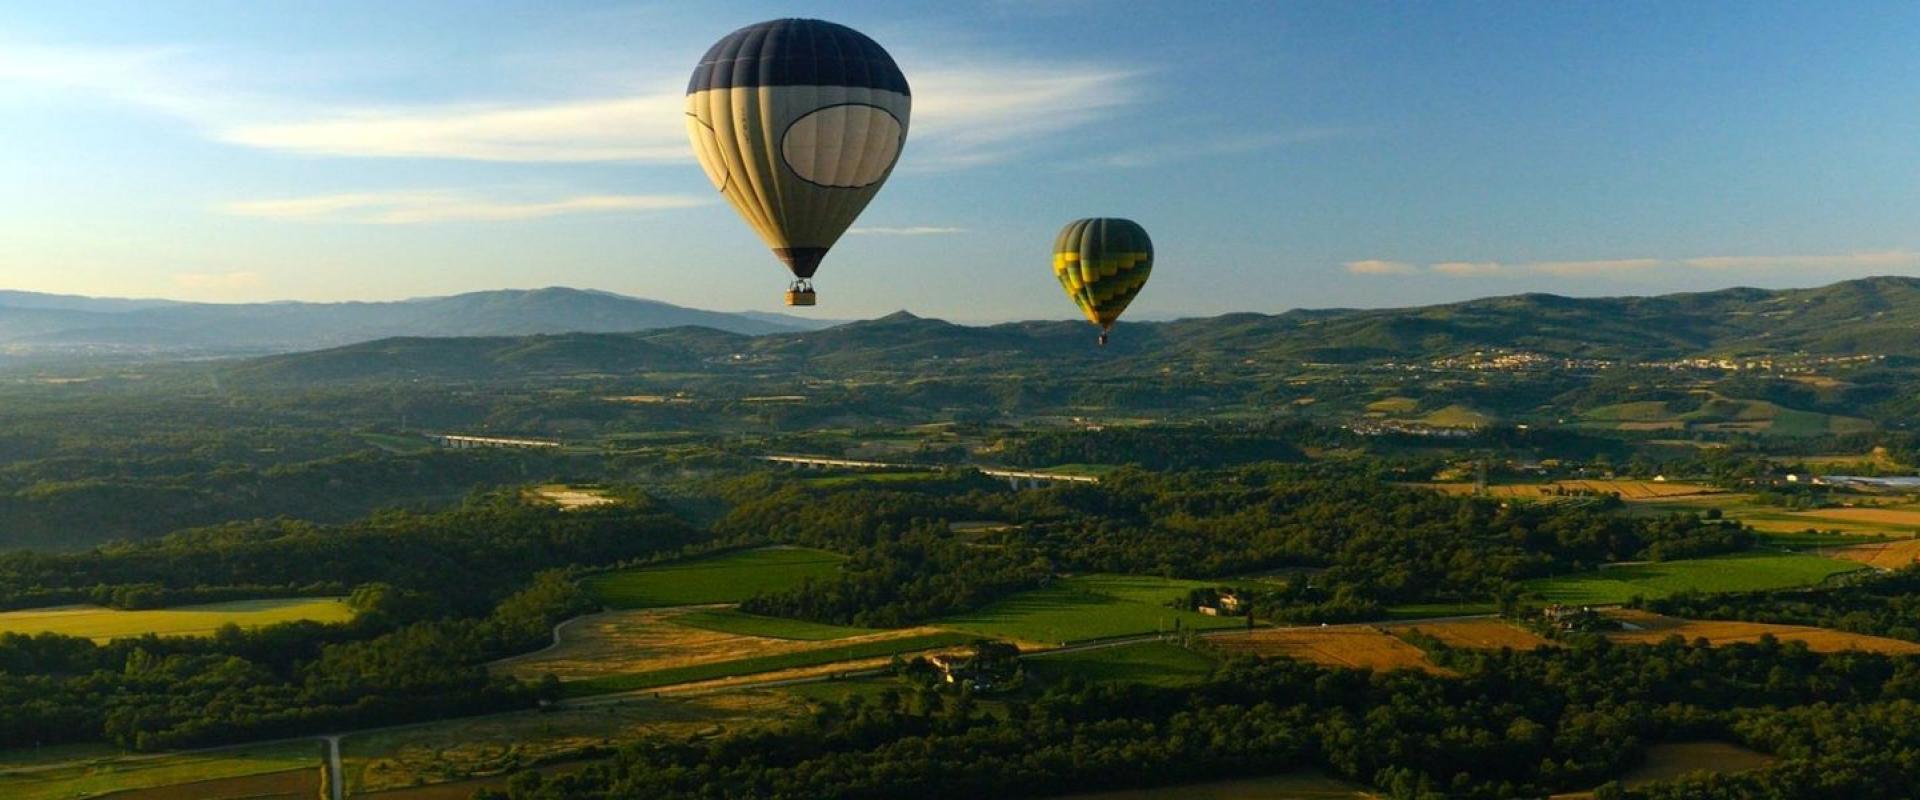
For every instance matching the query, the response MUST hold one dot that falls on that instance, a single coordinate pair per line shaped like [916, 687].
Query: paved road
[336, 777]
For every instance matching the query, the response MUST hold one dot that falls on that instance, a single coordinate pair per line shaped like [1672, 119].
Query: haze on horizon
[1282, 155]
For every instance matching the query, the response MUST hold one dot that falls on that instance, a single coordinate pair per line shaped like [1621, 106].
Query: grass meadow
[723, 578]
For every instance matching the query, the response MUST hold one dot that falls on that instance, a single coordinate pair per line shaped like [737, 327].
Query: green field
[1734, 573]
[724, 578]
[1150, 663]
[731, 621]
[1457, 416]
[103, 624]
[24, 776]
[1089, 607]
[754, 666]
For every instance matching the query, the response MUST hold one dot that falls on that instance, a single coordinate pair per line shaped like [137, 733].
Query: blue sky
[1282, 154]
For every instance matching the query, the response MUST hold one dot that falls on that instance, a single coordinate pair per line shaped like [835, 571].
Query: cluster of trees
[1158, 448]
[1510, 725]
[1880, 605]
[438, 596]
[1369, 544]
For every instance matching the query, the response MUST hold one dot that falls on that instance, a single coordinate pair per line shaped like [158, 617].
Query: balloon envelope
[798, 122]
[1102, 263]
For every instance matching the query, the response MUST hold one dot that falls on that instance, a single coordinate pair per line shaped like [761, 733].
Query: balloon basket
[800, 294]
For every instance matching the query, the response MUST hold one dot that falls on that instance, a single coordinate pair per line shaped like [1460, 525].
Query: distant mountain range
[46, 323]
[1869, 316]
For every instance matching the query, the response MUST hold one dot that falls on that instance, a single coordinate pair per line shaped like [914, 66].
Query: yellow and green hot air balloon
[798, 122]
[1102, 263]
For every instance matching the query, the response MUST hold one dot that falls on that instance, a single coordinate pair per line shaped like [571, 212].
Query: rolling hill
[62, 324]
[1874, 316]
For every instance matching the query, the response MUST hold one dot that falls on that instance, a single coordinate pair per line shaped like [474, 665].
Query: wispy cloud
[1467, 269]
[1379, 267]
[1885, 259]
[417, 207]
[966, 112]
[1602, 267]
[966, 116]
[916, 230]
[647, 128]
[1618, 267]
[217, 281]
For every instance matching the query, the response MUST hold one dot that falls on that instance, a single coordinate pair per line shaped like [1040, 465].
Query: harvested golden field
[480, 747]
[1666, 762]
[1651, 628]
[299, 784]
[647, 640]
[1476, 634]
[1881, 555]
[572, 497]
[1359, 647]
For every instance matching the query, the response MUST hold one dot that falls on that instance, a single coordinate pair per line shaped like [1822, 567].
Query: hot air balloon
[1102, 263]
[798, 122]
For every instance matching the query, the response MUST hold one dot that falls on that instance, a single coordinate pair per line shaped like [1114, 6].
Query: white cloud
[1603, 267]
[916, 230]
[1467, 269]
[1886, 259]
[217, 281]
[966, 116]
[416, 207]
[645, 128]
[1378, 267]
[967, 113]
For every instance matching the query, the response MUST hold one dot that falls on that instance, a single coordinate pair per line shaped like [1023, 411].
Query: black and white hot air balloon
[798, 122]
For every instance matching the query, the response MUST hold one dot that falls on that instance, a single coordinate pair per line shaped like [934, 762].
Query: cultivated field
[1650, 628]
[1294, 786]
[1089, 607]
[1884, 521]
[573, 497]
[104, 624]
[1718, 413]
[63, 773]
[645, 641]
[1476, 634]
[1732, 573]
[1880, 555]
[846, 655]
[460, 750]
[1666, 762]
[299, 784]
[727, 620]
[1150, 663]
[1358, 647]
[724, 578]
[1881, 518]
